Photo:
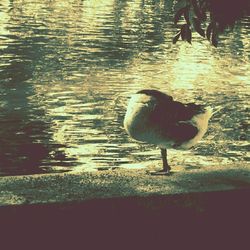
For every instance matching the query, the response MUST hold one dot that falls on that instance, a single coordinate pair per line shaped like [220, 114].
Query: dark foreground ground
[198, 209]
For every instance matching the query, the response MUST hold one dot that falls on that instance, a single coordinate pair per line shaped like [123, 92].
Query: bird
[156, 118]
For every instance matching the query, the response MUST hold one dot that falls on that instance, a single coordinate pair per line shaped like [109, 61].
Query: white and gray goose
[155, 118]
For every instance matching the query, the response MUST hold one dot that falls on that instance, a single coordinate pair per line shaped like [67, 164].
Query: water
[67, 69]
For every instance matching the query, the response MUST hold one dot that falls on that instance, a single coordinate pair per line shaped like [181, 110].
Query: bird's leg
[166, 167]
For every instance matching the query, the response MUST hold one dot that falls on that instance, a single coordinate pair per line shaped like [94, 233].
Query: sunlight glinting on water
[72, 65]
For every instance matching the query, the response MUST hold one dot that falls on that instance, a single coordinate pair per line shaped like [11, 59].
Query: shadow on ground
[208, 220]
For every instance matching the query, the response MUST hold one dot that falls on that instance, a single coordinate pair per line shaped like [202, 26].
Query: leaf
[214, 38]
[178, 14]
[209, 31]
[186, 34]
[182, 12]
[197, 26]
[186, 15]
[203, 16]
[176, 37]
[183, 32]
[212, 33]
[196, 8]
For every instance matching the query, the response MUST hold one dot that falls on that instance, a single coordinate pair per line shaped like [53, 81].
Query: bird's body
[155, 118]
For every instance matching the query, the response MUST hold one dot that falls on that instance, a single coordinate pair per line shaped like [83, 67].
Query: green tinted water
[67, 69]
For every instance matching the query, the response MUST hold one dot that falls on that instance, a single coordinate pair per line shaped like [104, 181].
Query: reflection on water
[67, 69]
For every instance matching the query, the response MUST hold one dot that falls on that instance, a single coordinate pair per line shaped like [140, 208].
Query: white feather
[201, 122]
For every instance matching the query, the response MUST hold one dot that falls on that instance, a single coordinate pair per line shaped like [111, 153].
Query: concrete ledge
[209, 220]
[120, 209]
[51, 188]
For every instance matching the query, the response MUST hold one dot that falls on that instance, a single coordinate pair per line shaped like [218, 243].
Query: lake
[67, 70]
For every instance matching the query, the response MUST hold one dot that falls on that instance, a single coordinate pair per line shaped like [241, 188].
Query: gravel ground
[67, 187]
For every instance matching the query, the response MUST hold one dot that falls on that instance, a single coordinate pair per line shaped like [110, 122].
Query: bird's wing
[167, 113]
[181, 131]
[185, 112]
[173, 118]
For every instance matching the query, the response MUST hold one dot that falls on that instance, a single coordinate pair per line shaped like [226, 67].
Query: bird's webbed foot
[161, 172]
[164, 171]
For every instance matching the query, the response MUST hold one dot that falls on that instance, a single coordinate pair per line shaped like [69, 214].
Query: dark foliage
[208, 17]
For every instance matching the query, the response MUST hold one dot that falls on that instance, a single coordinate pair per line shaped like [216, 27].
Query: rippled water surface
[67, 69]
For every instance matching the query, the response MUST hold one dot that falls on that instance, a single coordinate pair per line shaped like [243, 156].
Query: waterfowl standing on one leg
[155, 118]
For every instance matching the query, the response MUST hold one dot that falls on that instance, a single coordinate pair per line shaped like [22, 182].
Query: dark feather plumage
[174, 121]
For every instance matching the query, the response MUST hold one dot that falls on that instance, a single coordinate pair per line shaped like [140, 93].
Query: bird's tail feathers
[209, 111]
[216, 110]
